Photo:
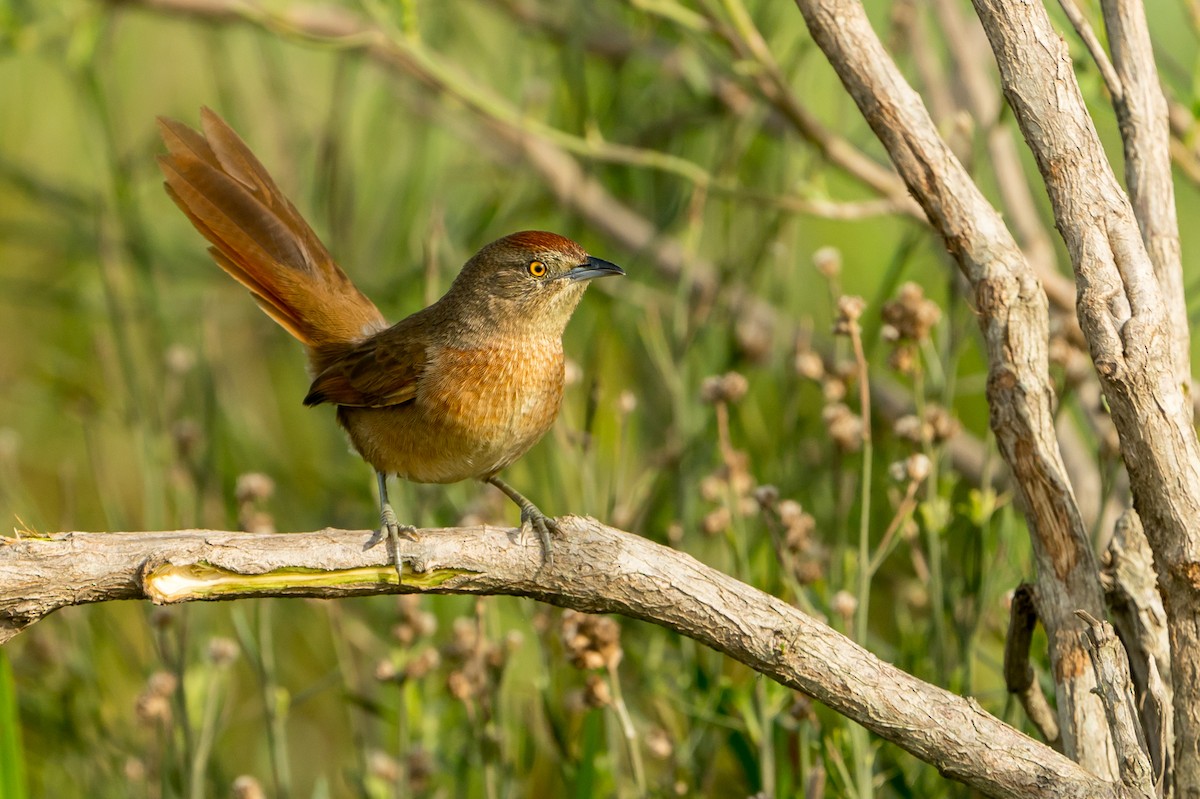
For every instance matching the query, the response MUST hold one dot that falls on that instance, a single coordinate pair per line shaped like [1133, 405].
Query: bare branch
[1116, 691]
[1121, 312]
[1018, 673]
[596, 569]
[1140, 621]
[1013, 315]
[1142, 113]
[1092, 42]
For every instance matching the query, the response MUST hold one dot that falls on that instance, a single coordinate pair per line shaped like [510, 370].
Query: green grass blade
[12, 761]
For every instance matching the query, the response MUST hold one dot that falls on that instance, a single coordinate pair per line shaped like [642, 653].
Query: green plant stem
[766, 739]
[933, 534]
[860, 741]
[275, 702]
[629, 731]
[208, 732]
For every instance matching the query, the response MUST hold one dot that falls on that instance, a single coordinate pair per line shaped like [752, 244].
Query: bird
[458, 390]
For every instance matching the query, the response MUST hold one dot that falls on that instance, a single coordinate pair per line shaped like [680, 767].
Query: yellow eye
[537, 268]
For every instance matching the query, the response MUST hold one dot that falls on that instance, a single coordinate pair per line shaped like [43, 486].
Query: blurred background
[707, 148]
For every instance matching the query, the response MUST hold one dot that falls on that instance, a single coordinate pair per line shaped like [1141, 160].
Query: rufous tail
[259, 237]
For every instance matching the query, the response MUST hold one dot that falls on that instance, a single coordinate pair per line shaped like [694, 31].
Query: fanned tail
[259, 237]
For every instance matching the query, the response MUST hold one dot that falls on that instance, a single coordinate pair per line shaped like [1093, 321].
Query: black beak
[593, 268]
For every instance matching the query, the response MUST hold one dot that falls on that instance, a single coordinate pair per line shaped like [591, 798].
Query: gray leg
[529, 513]
[390, 526]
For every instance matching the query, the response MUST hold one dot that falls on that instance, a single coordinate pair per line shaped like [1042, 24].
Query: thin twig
[1092, 42]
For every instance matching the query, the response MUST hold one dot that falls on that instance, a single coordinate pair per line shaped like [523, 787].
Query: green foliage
[141, 387]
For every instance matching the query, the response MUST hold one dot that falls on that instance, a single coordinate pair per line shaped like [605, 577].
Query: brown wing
[381, 371]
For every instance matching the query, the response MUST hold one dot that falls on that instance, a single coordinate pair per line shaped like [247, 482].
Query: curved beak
[593, 268]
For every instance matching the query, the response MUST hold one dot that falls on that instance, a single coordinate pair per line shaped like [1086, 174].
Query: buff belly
[475, 412]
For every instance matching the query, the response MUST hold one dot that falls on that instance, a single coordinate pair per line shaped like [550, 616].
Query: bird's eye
[537, 269]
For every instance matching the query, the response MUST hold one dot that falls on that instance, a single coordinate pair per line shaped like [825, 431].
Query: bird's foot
[390, 527]
[543, 524]
[531, 516]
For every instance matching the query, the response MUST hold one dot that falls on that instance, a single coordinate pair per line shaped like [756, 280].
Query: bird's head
[528, 280]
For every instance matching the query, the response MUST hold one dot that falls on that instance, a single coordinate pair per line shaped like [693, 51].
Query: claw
[543, 524]
[390, 526]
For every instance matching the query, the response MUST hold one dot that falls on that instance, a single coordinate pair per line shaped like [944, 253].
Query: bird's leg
[545, 525]
[390, 526]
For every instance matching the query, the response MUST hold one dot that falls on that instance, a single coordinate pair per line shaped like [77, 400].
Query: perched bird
[456, 391]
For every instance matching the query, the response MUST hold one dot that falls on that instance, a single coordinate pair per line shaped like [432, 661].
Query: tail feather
[259, 237]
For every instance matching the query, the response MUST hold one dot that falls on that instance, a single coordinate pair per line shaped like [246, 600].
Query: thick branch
[1116, 691]
[1121, 310]
[1142, 113]
[595, 569]
[1013, 316]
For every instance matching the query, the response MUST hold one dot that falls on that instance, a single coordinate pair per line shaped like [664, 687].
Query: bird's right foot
[390, 527]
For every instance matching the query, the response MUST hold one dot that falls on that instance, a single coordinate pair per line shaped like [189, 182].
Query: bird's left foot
[532, 516]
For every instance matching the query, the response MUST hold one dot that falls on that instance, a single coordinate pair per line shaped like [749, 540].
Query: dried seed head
[254, 487]
[222, 651]
[179, 359]
[849, 311]
[247, 787]
[135, 769]
[712, 488]
[386, 671]
[383, 766]
[909, 428]
[591, 642]
[913, 469]
[658, 743]
[802, 709]
[162, 618]
[844, 604]
[903, 358]
[754, 334]
[766, 496]
[716, 521]
[464, 639]
[911, 315]
[596, 692]
[809, 365]
[790, 512]
[938, 426]
[414, 622]
[162, 683]
[153, 705]
[845, 427]
[728, 388]
[828, 261]
[422, 664]
[942, 424]
[467, 683]
[626, 402]
[833, 389]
